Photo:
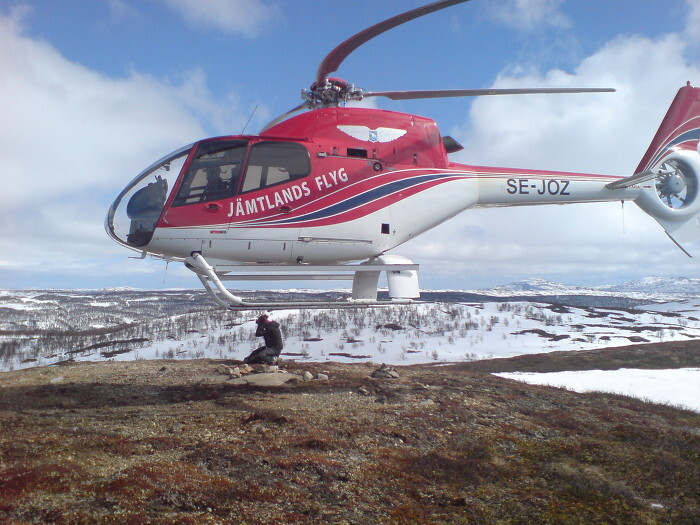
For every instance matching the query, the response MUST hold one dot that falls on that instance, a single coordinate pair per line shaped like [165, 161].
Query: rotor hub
[332, 93]
[675, 185]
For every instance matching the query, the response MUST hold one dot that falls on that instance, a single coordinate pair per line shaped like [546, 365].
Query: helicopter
[326, 191]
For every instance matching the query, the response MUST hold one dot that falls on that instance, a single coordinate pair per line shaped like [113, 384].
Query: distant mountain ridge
[673, 285]
[537, 284]
[682, 286]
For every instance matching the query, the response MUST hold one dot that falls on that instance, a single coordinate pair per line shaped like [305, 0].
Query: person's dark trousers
[264, 355]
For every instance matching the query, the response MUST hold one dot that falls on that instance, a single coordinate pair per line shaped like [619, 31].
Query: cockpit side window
[272, 163]
[213, 174]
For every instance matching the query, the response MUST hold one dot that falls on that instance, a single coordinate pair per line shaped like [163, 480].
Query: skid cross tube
[364, 295]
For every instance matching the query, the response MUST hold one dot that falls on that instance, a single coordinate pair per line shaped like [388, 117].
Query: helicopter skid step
[402, 279]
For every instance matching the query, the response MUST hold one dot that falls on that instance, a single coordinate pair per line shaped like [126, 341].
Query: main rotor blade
[279, 119]
[340, 53]
[444, 93]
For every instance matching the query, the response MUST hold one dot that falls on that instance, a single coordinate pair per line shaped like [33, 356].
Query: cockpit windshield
[132, 217]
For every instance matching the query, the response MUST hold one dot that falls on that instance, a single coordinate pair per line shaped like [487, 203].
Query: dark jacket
[271, 333]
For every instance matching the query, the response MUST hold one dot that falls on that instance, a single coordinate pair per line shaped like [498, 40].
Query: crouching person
[270, 332]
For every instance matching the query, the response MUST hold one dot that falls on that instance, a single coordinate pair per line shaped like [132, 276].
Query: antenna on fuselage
[249, 119]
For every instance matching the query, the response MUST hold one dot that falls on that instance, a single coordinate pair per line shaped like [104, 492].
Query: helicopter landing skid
[402, 279]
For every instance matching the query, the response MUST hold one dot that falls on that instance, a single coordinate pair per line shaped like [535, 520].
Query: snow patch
[679, 387]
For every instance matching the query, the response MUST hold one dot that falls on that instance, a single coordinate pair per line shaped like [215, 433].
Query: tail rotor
[676, 186]
[673, 162]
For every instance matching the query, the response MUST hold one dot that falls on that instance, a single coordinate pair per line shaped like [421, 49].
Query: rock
[272, 368]
[264, 379]
[236, 372]
[308, 376]
[390, 326]
[385, 372]
[258, 428]
[322, 377]
[177, 428]
[362, 390]
[56, 380]
[224, 370]
[246, 369]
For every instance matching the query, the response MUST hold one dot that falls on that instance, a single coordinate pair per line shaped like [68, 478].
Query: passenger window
[272, 163]
[253, 177]
[213, 174]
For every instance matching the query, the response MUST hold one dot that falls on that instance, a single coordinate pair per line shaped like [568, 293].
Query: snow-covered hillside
[42, 327]
[46, 327]
[659, 285]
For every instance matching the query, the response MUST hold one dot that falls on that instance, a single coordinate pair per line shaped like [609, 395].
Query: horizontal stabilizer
[631, 181]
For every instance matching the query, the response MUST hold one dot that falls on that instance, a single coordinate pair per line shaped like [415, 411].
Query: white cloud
[529, 14]
[246, 17]
[692, 30]
[64, 125]
[595, 133]
[72, 138]
[607, 132]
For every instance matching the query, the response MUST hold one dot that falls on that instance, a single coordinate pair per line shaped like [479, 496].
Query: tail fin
[679, 128]
[672, 198]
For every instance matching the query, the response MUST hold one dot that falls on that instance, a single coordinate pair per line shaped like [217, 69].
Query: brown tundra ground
[166, 442]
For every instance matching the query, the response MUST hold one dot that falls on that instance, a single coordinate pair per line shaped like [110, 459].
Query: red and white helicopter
[328, 193]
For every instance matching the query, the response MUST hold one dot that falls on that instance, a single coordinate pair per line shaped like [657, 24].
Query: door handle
[285, 209]
[212, 206]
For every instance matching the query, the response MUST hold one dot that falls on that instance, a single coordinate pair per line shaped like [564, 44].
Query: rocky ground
[161, 442]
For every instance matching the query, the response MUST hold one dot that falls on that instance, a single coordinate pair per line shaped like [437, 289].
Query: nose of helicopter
[144, 208]
[133, 216]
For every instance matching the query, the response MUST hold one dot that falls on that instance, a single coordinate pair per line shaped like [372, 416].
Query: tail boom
[511, 187]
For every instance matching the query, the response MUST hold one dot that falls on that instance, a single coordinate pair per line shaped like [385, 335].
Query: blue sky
[92, 92]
